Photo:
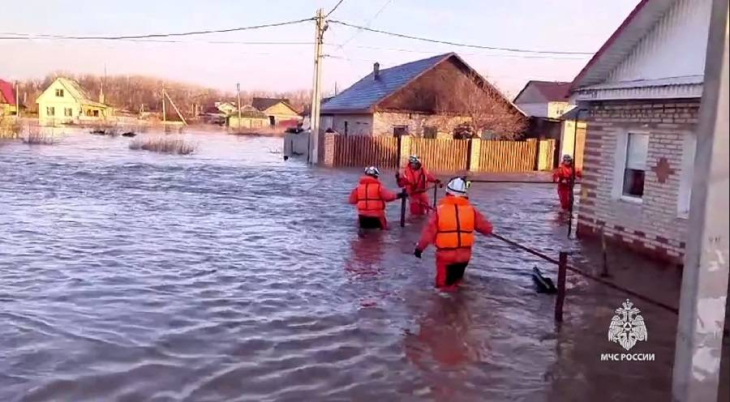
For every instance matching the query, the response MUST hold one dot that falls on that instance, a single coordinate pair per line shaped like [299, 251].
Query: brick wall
[383, 123]
[654, 226]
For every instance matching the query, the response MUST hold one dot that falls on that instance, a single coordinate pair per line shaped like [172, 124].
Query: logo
[627, 327]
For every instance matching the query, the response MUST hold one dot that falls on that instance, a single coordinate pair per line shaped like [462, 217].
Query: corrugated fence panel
[441, 155]
[507, 156]
[362, 151]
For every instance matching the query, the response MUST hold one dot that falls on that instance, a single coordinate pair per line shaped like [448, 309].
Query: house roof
[7, 94]
[265, 103]
[78, 93]
[552, 91]
[638, 23]
[364, 95]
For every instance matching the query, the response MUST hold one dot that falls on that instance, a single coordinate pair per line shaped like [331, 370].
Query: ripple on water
[231, 275]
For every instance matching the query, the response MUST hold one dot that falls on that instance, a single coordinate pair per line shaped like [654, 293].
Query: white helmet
[458, 187]
[414, 159]
[372, 171]
[567, 158]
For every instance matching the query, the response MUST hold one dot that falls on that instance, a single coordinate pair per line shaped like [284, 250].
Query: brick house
[641, 95]
[415, 99]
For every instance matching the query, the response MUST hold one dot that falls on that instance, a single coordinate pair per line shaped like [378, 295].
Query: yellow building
[7, 99]
[277, 110]
[250, 118]
[65, 102]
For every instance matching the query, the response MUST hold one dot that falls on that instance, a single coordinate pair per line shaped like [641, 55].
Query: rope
[589, 276]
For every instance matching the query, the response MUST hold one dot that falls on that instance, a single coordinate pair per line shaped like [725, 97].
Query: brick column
[476, 150]
[405, 150]
[329, 150]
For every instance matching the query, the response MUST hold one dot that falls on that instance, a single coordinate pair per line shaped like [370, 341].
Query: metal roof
[551, 91]
[365, 94]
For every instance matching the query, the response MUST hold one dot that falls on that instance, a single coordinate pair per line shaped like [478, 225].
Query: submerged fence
[440, 155]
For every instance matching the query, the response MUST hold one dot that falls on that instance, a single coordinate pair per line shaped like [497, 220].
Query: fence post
[399, 155]
[560, 300]
[475, 153]
[329, 149]
[535, 148]
[404, 149]
[403, 209]
[468, 154]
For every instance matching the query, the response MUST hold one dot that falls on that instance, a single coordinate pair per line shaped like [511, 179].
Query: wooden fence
[507, 156]
[442, 155]
[438, 155]
[361, 151]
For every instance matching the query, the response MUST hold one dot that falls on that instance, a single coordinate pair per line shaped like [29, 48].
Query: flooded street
[231, 275]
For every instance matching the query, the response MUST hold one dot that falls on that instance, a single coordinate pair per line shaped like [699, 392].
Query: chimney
[376, 71]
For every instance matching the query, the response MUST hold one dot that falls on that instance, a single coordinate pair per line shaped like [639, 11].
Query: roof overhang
[639, 22]
[665, 88]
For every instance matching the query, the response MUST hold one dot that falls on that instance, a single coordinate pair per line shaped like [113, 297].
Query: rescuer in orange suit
[563, 175]
[370, 196]
[451, 229]
[415, 179]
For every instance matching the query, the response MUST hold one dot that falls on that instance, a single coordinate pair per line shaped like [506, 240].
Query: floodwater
[231, 275]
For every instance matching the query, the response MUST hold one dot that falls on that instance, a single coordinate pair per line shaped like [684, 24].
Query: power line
[518, 56]
[161, 35]
[334, 8]
[211, 42]
[443, 42]
[368, 23]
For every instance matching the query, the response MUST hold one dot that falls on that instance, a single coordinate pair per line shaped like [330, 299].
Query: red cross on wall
[663, 170]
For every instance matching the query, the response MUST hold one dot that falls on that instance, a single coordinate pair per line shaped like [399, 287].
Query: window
[89, 113]
[50, 111]
[59, 93]
[68, 112]
[430, 132]
[689, 149]
[399, 131]
[96, 113]
[637, 149]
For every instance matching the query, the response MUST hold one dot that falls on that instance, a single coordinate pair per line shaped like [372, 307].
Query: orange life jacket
[455, 224]
[368, 196]
[417, 177]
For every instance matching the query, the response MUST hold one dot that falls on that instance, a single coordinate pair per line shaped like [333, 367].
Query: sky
[222, 60]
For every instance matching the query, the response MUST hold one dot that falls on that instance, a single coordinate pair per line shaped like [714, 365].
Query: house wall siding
[357, 124]
[675, 47]
[654, 226]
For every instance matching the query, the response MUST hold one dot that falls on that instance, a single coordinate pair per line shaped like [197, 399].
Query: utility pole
[17, 101]
[238, 92]
[164, 114]
[320, 27]
[703, 299]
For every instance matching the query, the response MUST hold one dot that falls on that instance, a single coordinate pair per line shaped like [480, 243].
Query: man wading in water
[451, 230]
[415, 179]
[370, 196]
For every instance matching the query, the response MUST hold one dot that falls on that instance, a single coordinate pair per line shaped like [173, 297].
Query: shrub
[38, 138]
[164, 145]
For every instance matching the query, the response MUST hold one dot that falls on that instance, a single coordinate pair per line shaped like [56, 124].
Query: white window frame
[619, 164]
[684, 197]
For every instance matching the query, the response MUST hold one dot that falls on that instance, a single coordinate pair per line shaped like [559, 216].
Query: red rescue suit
[416, 182]
[451, 229]
[370, 197]
[563, 175]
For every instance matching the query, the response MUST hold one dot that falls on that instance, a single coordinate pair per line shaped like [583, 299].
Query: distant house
[64, 102]
[278, 110]
[225, 107]
[417, 98]
[7, 99]
[250, 118]
[641, 95]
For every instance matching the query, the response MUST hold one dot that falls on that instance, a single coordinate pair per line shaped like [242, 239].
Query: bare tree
[484, 108]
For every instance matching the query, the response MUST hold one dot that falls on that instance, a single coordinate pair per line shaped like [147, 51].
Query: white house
[641, 96]
[64, 102]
